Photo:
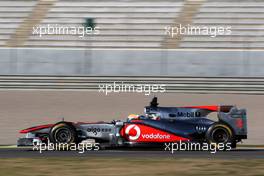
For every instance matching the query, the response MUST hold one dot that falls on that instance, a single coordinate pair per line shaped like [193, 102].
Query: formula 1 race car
[158, 125]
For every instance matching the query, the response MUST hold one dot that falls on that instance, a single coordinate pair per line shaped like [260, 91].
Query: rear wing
[235, 118]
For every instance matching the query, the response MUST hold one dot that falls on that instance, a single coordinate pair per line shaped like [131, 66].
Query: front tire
[63, 133]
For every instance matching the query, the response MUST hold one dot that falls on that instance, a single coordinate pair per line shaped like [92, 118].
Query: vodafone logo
[156, 136]
[133, 132]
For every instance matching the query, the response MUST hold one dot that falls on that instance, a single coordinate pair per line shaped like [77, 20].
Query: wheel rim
[220, 135]
[63, 135]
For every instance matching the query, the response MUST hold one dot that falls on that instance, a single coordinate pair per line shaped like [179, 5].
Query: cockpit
[152, 116]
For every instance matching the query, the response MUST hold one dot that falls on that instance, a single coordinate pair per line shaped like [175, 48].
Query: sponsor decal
[188, 114]
[133, 132]
[95, 130]
[144, 133]
[200, 129]
[155, 136]
[239, 123]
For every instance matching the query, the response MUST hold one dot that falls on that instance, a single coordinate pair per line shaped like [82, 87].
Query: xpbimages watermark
[119, 87]
[80, 147]
[194, 146]
[212, 31]
[56, 29]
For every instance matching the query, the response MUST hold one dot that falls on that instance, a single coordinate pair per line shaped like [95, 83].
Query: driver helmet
[132, 117]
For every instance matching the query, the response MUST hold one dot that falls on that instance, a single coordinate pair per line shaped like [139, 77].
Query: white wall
[131, 62]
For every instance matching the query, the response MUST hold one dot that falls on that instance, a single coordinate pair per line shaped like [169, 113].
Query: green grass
[86, 166]
[7, 146]
[252, 146]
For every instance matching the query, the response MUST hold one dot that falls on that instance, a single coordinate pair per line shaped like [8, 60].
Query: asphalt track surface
[23, 109]
[233, 154]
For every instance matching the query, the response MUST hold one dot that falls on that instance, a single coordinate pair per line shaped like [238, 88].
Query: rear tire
[63, 133]
[220, 133]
